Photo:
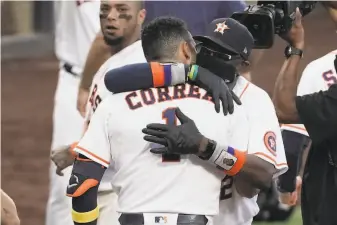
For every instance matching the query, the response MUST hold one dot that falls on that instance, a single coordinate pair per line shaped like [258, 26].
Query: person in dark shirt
[318, 113]
[197, 14]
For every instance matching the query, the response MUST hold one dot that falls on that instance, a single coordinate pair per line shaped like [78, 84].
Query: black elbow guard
[294, 144]
[83, 186]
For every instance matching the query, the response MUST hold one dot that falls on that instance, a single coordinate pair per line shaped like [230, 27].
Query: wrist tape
[228, 159]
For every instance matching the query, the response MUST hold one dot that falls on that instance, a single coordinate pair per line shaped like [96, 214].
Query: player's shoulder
[321, 64]
[255, 100]
[132, 54]
[249, 91]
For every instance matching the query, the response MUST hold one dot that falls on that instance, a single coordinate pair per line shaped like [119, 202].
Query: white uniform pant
[67, 128]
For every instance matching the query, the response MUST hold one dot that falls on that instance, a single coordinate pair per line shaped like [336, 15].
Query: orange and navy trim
[93, 156]
[161, 74]
[270, 159]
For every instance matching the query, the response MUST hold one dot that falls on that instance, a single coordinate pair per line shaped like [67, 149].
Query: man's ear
[141, 16]
[186, 51]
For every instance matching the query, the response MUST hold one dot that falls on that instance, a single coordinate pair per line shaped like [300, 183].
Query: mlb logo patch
[160, 219]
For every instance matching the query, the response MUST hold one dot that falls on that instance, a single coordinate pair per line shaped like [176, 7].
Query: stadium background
[29, 74]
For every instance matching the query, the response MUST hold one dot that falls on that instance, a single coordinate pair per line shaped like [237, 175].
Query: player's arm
[9, 214]
[93, 158]
[285, 89]
[99, 52]
[65, 156]
[295, 136]
[256, 168]
[148, 75]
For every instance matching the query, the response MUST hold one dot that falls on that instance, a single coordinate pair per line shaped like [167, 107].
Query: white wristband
[178, 74]
[223, 156]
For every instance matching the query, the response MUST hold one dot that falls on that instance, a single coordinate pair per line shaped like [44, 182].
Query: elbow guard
[83, 187]
[294, 144]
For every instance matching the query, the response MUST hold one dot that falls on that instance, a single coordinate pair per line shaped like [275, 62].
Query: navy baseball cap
[230, 35]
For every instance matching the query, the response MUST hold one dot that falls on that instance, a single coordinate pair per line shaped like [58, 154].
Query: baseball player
[77, 23]
[264, 129]
[121, 24]
[264, 150]
[114, 139]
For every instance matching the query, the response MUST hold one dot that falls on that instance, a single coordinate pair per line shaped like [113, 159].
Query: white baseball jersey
[98, 91]
[264, 141]
[77, 23]
[152, 183]
[318, 75]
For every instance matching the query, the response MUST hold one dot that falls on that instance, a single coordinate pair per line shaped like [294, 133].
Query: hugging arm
[148, 75]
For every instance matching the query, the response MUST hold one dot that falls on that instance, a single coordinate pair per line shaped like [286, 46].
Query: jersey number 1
[169, 116]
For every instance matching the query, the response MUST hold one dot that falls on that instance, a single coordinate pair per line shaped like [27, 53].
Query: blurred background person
[77, 24]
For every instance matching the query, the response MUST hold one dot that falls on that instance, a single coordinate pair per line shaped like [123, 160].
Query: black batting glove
[217, 88]
[182, 139]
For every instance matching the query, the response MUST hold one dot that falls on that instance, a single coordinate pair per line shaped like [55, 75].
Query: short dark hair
[161, 36]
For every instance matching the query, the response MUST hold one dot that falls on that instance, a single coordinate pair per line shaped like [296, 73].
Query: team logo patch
[270, 142]
[226, 160]
[160, 219]
[221, 27]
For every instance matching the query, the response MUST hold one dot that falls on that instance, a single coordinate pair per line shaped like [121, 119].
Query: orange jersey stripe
[93, 155]
[293, 126]
[244, 90]
[270, 158]
[158, 74]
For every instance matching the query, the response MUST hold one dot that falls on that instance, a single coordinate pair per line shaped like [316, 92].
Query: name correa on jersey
[136, 100]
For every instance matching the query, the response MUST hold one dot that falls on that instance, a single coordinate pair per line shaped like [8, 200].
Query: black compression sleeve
[142, 76]
[86, 203]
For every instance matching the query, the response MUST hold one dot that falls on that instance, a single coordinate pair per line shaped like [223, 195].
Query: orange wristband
[241, 159]
[228, 159]
[72, 147]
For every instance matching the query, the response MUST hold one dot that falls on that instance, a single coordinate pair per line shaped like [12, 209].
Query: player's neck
[127, 41]
[167, 60]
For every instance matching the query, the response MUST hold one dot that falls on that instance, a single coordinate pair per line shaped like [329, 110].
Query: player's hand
[82, 98]
[182, 139]
[295, 36]
[62, 158]
[218, 89]
[291, 199]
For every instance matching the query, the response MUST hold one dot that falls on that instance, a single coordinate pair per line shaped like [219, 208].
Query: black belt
[183, 219]
[70, 69]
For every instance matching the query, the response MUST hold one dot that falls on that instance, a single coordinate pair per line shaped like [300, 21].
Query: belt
[71, 69]
[183, 219]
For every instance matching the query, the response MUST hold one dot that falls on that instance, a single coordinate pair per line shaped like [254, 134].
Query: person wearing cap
[197, 15]
[224, 51]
